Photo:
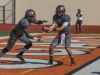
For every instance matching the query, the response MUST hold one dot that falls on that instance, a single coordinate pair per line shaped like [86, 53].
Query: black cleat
[72, 63]
[49, 63]
[20, 57]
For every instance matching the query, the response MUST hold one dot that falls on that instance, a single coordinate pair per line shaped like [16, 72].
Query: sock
[1, 54]
[51, 61]
[21, 53]
[51, 57]
[24, 50]
[72, 60]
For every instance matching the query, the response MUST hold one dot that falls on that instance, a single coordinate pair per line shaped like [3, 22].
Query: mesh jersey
[19, 28]
[60, 20]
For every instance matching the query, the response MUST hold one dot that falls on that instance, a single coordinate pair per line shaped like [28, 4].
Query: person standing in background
[79, 21]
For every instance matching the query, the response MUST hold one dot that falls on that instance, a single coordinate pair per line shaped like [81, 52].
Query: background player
[79, 21]
[62, 20]
[21, 33]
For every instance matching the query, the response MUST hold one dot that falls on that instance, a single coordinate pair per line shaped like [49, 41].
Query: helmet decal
[24, 22]
[62, 8]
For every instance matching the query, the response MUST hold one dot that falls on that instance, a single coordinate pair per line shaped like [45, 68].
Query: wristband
[54, 29]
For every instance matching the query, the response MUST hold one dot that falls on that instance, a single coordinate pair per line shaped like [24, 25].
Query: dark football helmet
[60, 8]
[30, 14]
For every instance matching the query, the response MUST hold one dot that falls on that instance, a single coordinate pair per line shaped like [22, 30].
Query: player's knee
[51, 48]
[67, 48]
[27, 46]
[5, 50]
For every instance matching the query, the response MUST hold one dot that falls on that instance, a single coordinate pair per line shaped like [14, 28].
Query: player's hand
[38, 39]
[50, 29]
[42, 21]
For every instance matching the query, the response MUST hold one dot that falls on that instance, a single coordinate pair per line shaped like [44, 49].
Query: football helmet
[30, 14]
[60, 8]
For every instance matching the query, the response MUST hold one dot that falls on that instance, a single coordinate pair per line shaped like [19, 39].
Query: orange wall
[38, 28]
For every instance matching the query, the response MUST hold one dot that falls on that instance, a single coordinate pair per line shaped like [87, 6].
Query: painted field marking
[34, 69]
[26, 71]
[9, 73]
[60, 58]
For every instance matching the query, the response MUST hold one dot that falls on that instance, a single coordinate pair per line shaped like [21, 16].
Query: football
[45, 28]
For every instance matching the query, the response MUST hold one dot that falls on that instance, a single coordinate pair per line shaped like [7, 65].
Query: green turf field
[7, 33]
[4, 33]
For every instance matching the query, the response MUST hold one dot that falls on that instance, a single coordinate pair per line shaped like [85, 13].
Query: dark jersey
[19, 28]
[61, 20]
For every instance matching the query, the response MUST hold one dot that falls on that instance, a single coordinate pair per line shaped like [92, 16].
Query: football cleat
[72, 63]
[20, 57]
[49, 63]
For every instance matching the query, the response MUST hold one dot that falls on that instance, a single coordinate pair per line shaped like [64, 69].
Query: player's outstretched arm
[27, 33]
[40, 21]
[31, 37]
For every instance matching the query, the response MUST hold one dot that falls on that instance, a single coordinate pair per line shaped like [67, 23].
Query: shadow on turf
[32, 62]
[96, 73]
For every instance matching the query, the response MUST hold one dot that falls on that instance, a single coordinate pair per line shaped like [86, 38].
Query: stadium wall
[38, 28]
[45, 9]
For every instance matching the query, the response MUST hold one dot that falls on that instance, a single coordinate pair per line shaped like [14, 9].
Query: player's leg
[50, 55]
[76, 26]
[53, 44]
[80, 23]
[10, 44]
[70, 55]
[67, 47]
[26, 47]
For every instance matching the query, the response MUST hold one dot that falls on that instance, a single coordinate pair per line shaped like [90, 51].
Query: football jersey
[19, 28]
[61, 20]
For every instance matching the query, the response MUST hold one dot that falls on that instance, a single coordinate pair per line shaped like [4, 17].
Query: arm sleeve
[54, 20]
[24, 23]
[67, 20]
[65, 23]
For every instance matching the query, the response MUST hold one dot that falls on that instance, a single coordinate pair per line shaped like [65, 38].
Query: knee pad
[5, 50]
[27, 46]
